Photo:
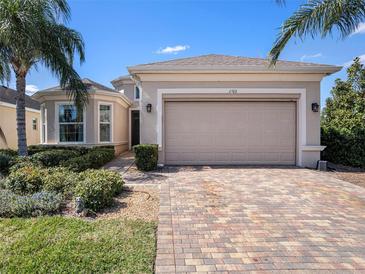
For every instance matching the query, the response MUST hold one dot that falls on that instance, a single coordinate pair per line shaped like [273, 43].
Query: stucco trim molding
[302, 121]
[313, 148]
[14, 106]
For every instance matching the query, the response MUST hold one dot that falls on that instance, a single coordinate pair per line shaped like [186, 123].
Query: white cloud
[360, 29]
[173, 50]
[31, 89]
[362, 60]
[311, 56]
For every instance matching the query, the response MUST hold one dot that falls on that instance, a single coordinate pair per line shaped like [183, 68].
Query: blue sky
[118, 34]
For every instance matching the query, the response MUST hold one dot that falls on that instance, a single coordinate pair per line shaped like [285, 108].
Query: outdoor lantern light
[149, 107]
[315, 107]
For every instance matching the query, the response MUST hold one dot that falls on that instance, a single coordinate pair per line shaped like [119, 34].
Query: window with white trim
[105, 119]
[71, 124]
[136, 93]
[44, 122]
[34, 123]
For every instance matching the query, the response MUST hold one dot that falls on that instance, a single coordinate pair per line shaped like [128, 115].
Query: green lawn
[69, 245]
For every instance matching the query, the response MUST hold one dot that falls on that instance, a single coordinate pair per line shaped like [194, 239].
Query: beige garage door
[220, 133]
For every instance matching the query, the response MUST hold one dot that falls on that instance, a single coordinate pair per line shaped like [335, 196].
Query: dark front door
[135, 127]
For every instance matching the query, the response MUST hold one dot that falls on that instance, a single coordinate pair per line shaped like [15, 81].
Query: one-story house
[210, 109]
[8, 131]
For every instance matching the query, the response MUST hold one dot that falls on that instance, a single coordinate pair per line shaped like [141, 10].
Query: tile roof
[226, 62]
[8, 95]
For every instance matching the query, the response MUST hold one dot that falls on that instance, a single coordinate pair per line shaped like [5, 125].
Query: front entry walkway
[233, 220]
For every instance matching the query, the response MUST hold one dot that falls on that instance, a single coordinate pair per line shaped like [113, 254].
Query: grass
[69, 245]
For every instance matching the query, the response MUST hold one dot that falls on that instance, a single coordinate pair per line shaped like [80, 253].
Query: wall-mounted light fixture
[149, 107]
[315, 107]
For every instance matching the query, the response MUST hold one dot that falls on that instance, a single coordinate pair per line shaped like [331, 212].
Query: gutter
[229, 70]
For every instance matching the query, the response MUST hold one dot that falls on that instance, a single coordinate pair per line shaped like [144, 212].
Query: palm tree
[32, 32]
[319, 17]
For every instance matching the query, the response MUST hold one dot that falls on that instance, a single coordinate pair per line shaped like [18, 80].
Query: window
[136, 93]
[105, 119]
[34, 123]
[44, 124]
[71, 124]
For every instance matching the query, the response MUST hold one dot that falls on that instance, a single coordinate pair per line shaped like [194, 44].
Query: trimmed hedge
[95, 158]
[8, 151]
[146, 156]
[33, 149]
[5, 162]
[40, 203]
[344, 148]
[40, 148]
[51, 158]
[19, 162]
[25, 180]
[98, 187]
[60, 180]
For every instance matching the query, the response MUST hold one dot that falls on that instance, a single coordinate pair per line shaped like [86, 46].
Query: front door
[135, 127]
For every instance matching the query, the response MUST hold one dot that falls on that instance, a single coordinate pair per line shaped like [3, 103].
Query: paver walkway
[124, 165]
[233, 220]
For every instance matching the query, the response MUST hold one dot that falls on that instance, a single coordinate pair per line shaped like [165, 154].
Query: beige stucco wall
[119, 121]
[128, 89]
[148, 122]
[8, 126]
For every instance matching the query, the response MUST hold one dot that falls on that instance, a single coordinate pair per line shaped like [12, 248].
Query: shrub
[8, 151]
[95, 158]
[146, 156]
[343, 147]
[41, 203]
[98, 187]
[25, 180]
[5, 161]
[60, 180]
[51, 158]
[76, 164]
[19, 162]
[36, 148]
[40, 148]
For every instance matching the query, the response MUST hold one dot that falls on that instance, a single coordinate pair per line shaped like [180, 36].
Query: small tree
[343, 119]
[31, 33]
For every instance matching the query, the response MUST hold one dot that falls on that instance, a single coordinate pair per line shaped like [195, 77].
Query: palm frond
[280, 2]
[319, 17]
[57, 53]
[31, 32]
[5, 71]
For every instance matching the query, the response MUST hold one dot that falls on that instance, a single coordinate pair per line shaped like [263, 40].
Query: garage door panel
[230, 133]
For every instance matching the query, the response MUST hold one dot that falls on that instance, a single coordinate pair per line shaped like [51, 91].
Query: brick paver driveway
[233, 220]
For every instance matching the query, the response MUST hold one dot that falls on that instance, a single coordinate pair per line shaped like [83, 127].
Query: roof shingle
[226, 62]
[8, 95]
[90, 86]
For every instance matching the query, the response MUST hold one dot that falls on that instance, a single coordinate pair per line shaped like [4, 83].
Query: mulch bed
[138, 202]
[350, 174]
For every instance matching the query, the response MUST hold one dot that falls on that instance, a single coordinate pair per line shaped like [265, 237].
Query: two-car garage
[231, 110]
[230, 132]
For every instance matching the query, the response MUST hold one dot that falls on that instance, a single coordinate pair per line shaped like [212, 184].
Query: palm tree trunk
[20, 115]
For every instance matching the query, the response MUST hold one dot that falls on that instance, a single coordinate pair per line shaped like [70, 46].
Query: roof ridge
[233, 58]
[97, 84]
[85, 79]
